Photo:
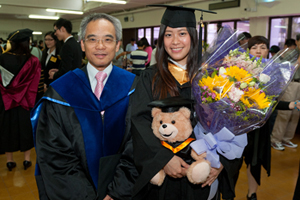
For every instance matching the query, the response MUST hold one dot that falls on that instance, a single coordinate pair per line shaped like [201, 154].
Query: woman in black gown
[20, 74]
[177, 56]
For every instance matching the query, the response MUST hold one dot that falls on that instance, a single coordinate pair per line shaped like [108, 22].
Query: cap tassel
[8, 45]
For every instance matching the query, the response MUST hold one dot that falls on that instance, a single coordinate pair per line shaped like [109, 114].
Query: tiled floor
[19, 184]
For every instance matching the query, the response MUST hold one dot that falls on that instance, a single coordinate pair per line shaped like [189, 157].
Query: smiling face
[50, 42]
[259, 50]
[177, 42]
[100, 54]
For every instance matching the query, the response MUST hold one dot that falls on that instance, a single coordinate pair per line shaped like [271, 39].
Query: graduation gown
[257, 153]
[72, 136]
[19, 77]
[149, 154]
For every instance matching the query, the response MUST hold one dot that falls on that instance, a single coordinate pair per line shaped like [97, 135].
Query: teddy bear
[174, 130]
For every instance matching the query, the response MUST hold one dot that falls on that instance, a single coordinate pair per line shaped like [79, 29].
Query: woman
[148, 49]
[50, 57]
[259, 140]
[20, 74]
[177, 55]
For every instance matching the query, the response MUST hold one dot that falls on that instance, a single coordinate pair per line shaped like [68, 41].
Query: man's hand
[214, 173]
[52, 72]
[176, 167]
[108, 198]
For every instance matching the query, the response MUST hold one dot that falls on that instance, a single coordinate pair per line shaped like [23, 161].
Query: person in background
[274, 49]
[138, 58]
[153, 60]
[287, 120]
[20, 74]
[70, 54]
[41, 45]
[35, 50]
[131, 47]
[50, 57]
[258, 151]
[82, 121]
[118, 59]
[290, 43]
[148, 49]
[243, 39]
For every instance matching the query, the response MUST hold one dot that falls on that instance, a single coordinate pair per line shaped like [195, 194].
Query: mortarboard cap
[179, 16]
[18, 36]
[172, 104]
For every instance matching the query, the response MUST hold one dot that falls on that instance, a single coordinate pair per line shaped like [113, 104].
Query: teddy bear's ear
[185, 111]
[155, 111]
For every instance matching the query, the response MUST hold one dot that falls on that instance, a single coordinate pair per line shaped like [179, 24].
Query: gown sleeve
[61, 154]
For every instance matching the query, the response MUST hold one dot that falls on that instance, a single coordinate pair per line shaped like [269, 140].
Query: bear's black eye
[160, 122]
[173, 122]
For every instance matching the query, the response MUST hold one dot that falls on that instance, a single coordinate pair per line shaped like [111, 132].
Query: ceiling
[20, 9]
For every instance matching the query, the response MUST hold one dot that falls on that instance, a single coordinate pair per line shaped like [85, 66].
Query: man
[70, 52]
[131, 47]
[243, 39]
[75, 129]
[138, 58]
[287, 120]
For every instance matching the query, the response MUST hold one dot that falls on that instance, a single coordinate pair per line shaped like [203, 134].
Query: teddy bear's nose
[164, 125]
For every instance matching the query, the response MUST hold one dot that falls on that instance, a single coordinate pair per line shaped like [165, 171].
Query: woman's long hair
[163, 83]
[45, 51]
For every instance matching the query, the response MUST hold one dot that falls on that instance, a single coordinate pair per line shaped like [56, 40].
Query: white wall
[151, 16]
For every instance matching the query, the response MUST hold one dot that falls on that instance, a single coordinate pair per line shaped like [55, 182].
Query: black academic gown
[257, 153]
[69, 144]
[149, 154]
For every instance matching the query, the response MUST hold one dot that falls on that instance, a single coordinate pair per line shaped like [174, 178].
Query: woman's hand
[214, 173]
[294, 105]
[176, 167]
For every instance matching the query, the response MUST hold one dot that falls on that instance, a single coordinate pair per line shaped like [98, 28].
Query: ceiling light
[64, 11]
[37, 33]
[43, 17]
[109, 1]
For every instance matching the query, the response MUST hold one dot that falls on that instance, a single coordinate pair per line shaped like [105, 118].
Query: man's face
[100, 43]
[58, 33]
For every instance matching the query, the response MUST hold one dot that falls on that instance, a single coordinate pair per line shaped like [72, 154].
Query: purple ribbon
[224, 142]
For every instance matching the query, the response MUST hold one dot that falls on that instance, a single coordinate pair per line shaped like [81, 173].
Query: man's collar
[68, 38]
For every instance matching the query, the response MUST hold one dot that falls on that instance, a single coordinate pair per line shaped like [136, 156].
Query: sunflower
[239, 74]
[253, 97]
[218, 85]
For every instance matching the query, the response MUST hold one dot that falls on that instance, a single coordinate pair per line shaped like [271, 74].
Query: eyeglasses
[48, 40]
[105, 41]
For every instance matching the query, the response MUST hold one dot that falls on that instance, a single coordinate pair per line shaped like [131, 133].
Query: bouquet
[235, 93]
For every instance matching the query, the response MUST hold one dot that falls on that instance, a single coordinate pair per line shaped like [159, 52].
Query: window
[148, 35]
[155, 33]
[295, 27]
[279, 31]
[140, 33]
[243, 26]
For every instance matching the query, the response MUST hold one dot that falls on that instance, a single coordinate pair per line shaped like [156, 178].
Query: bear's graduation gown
[71, 136]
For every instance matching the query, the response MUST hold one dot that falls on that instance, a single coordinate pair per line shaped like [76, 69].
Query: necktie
[100, 76]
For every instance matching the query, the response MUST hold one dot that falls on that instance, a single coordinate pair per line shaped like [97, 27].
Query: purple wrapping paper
[214, 116]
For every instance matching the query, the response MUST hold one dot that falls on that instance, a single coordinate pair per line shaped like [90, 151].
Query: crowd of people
[90, 121]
